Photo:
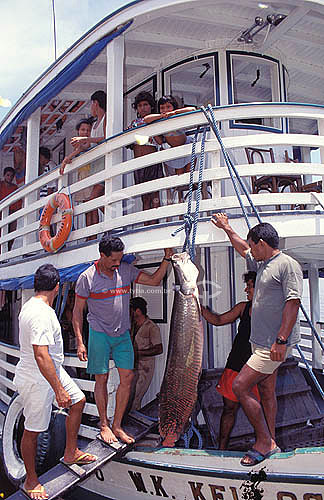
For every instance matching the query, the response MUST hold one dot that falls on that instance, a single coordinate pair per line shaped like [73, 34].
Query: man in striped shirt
[105, 287]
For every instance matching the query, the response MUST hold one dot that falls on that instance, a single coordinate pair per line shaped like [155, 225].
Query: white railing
[117, 216]
[306, 343]
[7, 388]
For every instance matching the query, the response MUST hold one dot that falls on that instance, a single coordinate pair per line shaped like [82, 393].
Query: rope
[188, 435]
[247, 194]
[191, 220]
[209, 114]
[198, 195]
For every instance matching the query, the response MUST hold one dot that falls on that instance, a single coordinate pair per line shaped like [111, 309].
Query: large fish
[178, 393]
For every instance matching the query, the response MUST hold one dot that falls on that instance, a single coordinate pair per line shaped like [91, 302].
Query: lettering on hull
[205, 491]
[156, 481]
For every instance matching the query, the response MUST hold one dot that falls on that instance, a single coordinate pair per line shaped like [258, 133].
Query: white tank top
[99, 130]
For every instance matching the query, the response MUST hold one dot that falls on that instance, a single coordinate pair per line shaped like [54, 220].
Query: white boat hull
[206, 475]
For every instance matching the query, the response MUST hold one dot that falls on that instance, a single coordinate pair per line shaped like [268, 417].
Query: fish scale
[178, 393]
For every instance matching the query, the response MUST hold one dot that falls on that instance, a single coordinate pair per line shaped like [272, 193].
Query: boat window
[254, 79]
[192, 82]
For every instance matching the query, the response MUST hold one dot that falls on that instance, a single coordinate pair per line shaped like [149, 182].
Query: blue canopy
[69, 274]
[62, 79]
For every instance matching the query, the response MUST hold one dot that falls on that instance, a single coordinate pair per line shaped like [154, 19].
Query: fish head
[186, 273]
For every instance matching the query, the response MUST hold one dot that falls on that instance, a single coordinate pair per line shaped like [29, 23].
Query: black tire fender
[50, 444]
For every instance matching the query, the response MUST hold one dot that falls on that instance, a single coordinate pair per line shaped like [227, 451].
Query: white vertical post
[32, 147]
[321, 133]
[115, 85]
[223, 83]
[314, 299]
[32, 157]
[159, 84]
[216, 185]
[306, 158]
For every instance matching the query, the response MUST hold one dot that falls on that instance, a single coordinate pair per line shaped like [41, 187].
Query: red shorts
[225, 383]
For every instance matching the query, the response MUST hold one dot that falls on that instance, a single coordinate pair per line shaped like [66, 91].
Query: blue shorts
[102, 347]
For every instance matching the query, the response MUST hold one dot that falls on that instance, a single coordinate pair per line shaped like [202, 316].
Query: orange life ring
[53, 244]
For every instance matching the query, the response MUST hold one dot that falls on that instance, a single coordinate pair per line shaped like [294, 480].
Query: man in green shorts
[105, 287]
[274, 332]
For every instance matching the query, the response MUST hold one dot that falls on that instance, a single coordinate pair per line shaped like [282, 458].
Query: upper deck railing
[122, 199]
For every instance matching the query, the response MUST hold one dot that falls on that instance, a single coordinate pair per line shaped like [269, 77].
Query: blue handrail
[310, 371]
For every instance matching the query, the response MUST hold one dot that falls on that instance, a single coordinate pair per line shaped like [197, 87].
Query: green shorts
[101, 348]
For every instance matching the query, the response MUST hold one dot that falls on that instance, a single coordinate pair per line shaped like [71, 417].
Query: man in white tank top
[98, 111]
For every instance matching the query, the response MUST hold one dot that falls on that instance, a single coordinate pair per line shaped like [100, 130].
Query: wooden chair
[296, 180]
[305, 188]
[263, 183]
[275, 183]
[312, 187]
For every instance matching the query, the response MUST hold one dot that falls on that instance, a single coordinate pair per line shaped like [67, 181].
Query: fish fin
[196, 295]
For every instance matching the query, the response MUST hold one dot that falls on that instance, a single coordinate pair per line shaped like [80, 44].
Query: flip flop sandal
[36, 491]
[82, 459]
[257, 457]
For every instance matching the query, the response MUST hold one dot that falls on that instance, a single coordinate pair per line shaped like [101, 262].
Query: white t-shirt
[38, 325]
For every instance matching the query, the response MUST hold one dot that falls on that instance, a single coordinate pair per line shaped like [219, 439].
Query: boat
[258, 66]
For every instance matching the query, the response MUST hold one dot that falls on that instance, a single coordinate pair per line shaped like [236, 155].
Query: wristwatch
[168, 260]
[281, 341]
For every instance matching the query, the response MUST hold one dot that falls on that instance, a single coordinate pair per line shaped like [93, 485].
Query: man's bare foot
[107, 435]
[121, 434]
[36, 491]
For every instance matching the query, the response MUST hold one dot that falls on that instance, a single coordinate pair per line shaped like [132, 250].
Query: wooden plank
[62, 478]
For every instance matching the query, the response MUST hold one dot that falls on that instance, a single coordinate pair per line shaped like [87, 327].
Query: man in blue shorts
[105, 286]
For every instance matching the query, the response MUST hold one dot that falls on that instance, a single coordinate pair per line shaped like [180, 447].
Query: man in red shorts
[240, 353]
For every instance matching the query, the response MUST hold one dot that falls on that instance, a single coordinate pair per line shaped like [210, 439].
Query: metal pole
[54, 29]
